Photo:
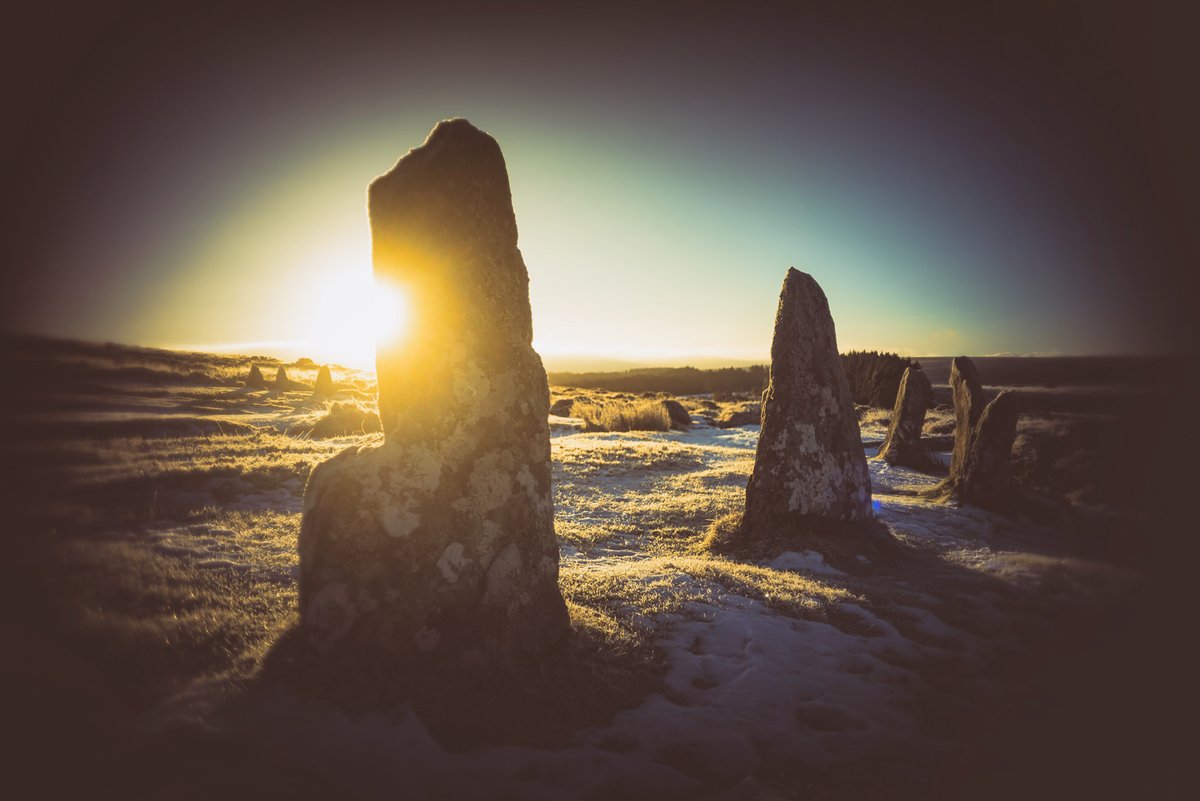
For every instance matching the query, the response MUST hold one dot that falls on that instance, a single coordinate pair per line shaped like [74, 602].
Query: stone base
[395, 567]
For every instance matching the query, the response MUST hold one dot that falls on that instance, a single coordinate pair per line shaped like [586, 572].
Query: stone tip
[452, 128]
[454, 139]
[799, 284]
[965, 366]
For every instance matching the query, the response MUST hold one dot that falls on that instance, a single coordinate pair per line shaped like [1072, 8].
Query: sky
[957, 180]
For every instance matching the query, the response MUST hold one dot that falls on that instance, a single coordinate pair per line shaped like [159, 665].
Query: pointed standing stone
[810, 459]
[981, 466]
[969, 401]
[902, 446]
[324, 384]
[282, 382]
[440, 542]
[986, 476]
[255, 380]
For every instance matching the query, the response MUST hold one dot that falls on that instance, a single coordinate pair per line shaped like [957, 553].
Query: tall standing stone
[902, 446]
[810, 459]
[440, 542]
[969, 401]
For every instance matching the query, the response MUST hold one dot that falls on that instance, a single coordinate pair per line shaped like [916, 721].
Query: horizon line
[589, 361]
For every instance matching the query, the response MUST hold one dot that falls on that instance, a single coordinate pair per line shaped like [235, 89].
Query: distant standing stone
[969, 401]
[324, 384]
[902, 446]
[986, 476]
[810, 459]
[680, 417]
[255, 380]
[282, 382]
[981, 467]
[439, 543]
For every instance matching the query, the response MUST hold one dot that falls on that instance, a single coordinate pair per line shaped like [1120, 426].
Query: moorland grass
[640, 415]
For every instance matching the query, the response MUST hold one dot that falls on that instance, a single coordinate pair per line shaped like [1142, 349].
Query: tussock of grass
[342, 420]
[842, 543]
[938, 422]
[638, 415]
[875, 417]
[742, 413]
[639, 596]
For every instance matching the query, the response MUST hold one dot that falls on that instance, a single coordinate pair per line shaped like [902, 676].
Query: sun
[352, 318]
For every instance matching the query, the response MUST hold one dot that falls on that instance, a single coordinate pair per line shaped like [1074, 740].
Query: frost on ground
[173, 515]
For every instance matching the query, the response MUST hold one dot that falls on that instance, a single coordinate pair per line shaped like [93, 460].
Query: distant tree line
[874, 378]
[676, 380]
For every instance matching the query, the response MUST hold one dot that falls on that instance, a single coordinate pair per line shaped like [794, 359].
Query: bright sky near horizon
[661, 192]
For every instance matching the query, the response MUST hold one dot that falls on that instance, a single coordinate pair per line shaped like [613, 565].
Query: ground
[160, 504]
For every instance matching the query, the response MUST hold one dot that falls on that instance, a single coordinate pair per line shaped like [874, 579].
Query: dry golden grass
[938, 422]
[347, 419]
[636, 596]
[640, 415]
[875, 417]
[840, 542]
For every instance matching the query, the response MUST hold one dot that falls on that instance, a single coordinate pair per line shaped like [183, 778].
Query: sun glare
[353, 318]
[388, 313]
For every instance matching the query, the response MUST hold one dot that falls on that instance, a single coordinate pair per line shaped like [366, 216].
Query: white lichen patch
[452, 561]
[808, 437]
[471, 384]
[528, 482]
[814, 490]
[490, 482]
[541, 500]
[399, 519]
[829, 404]
[420, 468]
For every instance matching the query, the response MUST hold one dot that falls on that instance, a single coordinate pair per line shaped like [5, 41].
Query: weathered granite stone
[969, 401]
[986, 475]
[810, 459]
[903, 446]
[324, 384]
[255, 379]
[439, 543]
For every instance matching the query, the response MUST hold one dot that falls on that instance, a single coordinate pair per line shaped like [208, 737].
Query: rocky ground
[154, 556]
